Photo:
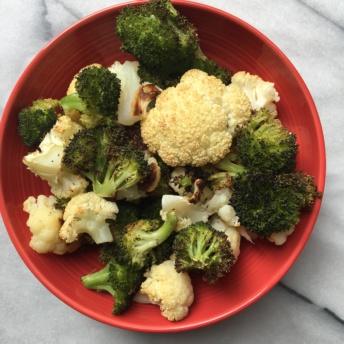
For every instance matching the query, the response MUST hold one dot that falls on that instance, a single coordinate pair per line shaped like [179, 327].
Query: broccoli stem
[111, 183]
[72, 102]
[230, 167]
[149, 240]
[203, 250]
[99, 280]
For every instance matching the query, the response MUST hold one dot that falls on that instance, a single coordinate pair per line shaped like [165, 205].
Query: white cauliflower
[46, 161]
[45, 222]
[238, 107]
[88, 213]
[169, 289]
[188, 125]
[134, 97]
[232, 232]
[189, 213]
[219, 199]
[279, 238]
[186, 212]
[261, 93]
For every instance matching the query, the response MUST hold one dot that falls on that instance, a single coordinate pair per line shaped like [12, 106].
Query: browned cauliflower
[260, 92]
[45, 222]
[169, 289]
[192, 123]
[88, 213]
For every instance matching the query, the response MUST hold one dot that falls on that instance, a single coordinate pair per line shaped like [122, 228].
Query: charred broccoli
[105, 156]
[265, 145]
[36, 120]
[267, 203]
[201, 248]
[138, 239]
[121, 280]
[164, 42]
[96, 98]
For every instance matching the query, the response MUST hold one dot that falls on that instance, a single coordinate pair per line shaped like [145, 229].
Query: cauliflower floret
[188, 125]
[279, 238]
[219, 199]
[45, 222]
[186, 212]
[189, 212]
[237, 106]
[169, 289]
[233, 234]
[261, 93]
[135, 96]
[88, 213]
[46, 162]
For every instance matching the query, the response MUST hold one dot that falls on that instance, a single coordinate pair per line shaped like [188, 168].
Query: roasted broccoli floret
[164, 42]
[104, 156]
[121, 280]
[141, 237]
[96, 97]
[36, 120]
[267, 203]
[265, 145]
[201, 248]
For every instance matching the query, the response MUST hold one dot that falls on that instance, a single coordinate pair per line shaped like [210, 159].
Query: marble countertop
[307, 306]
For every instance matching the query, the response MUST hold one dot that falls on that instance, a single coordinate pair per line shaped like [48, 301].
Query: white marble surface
[307, 306]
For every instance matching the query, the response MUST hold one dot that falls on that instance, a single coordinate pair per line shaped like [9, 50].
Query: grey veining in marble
[307, 306]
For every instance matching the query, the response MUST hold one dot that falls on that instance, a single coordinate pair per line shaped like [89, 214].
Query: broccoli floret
[36, 120]
[123, 171]
[96, 97]
[267, 203]
[265, 145]
[142, 236]
[105, 157]
[261, 145]
[121, 280]
[304, 184]
[201, 248]
[164, 42]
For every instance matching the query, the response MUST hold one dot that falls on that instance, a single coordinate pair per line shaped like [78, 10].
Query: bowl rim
[179, 325]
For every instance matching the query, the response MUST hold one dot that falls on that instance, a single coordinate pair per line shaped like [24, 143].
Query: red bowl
[233, 43]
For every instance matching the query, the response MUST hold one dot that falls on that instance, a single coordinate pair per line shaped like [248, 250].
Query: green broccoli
[164, 42]
[265, 145]
[201, 248]
[96, 98]
[266, 203]
[141, 237]
[104, 156]
[128, 212]
[121, 280]
[36, 120]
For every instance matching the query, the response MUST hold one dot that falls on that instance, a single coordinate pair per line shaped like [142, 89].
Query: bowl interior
[232, 43]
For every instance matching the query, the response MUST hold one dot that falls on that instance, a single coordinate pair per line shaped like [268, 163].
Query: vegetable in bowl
[91, 261]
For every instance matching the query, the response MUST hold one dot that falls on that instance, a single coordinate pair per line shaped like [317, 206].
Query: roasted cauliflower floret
[260, 92]
[188, 125]
[45, 222]
[88, 213]
[237, 106]
[169, 289]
